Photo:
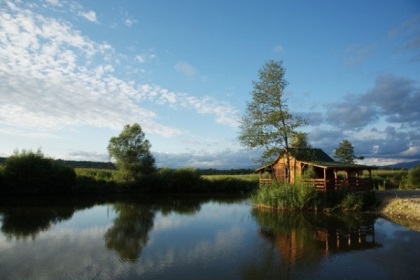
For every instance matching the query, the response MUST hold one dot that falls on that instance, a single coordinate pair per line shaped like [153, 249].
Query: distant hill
[407, 165]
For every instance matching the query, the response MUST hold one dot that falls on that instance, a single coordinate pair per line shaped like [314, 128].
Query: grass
[279, 196]
[97, 174]
[166, 180]
[302, 197]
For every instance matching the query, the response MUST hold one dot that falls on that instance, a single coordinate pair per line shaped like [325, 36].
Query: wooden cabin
[326, 173]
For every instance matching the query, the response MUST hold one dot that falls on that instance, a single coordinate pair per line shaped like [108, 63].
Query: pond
[196, 237]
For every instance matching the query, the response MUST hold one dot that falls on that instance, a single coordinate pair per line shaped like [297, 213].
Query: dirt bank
[402, 207]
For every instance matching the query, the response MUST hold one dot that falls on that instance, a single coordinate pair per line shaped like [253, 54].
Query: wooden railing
[356, 184]
[265, 182]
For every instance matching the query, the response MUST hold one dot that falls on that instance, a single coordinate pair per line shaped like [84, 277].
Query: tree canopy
[267, 122]
[131, 150]
[345, 152]
[300, 140]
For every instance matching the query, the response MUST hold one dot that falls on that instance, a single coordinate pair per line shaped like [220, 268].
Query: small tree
[413, 177]
[132, 153]
[267, 122]
[345, 152]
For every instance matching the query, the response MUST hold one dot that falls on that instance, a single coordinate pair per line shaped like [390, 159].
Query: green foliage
[309, 172]
[282, 196]
[132, 154]
[345, 152]
[413, 177]
[351, 202]
[300, 140]
[29, 172]
[267, 122]
[231, 183]
[97, 174]
[183, 179]
[191, 181]
[390, 179]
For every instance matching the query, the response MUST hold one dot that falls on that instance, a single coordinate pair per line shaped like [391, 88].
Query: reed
[280, 196]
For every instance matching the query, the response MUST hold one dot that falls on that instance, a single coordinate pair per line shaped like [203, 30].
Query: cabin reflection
[300, 238]
[343, 240]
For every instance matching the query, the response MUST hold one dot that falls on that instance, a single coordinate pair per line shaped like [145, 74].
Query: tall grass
[301, 196]
[280, 196]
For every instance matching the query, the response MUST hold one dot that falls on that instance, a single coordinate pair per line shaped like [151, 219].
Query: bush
[351, 202]
[29, 172]
[413, 177]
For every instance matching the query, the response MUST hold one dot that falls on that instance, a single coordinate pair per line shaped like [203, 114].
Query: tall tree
[131, 150]
[267, 122]
[345, 152]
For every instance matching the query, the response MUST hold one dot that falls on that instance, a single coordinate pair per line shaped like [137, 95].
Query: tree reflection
[130, 231]
[24, 218]
[129, 234]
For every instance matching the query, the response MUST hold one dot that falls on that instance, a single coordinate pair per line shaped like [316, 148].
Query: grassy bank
[33, 174]
[401, 207]
[303, 197]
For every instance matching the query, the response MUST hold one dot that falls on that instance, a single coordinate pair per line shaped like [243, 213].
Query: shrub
[413, 177]
[351, 202]
[29, 172]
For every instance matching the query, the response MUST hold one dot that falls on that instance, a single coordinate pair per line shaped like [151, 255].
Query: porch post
[325, 178]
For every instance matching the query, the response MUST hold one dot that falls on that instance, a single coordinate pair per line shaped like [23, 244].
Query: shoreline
[401, 207]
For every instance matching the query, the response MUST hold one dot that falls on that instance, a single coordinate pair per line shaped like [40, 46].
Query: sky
[73, 73]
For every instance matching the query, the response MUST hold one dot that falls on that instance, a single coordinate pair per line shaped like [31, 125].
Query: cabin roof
[315, 157]
[308, 154]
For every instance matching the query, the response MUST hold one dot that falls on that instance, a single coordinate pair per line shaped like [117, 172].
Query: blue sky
[72, 74]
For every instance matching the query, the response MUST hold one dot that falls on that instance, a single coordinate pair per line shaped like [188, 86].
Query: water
[196, 238]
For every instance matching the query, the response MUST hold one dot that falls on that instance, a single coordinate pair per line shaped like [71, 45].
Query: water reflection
[23, 218]
[309, 238]
[135, 219]
[26, 217]
[195, 237]
[129, 233]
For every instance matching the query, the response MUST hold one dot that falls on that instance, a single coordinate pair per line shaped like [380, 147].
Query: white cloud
[49, 80]
[141, 58]
[129, 22]
[55, 3]
[145, 56]
[185, 68]
[54, 77]
[90, 16]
